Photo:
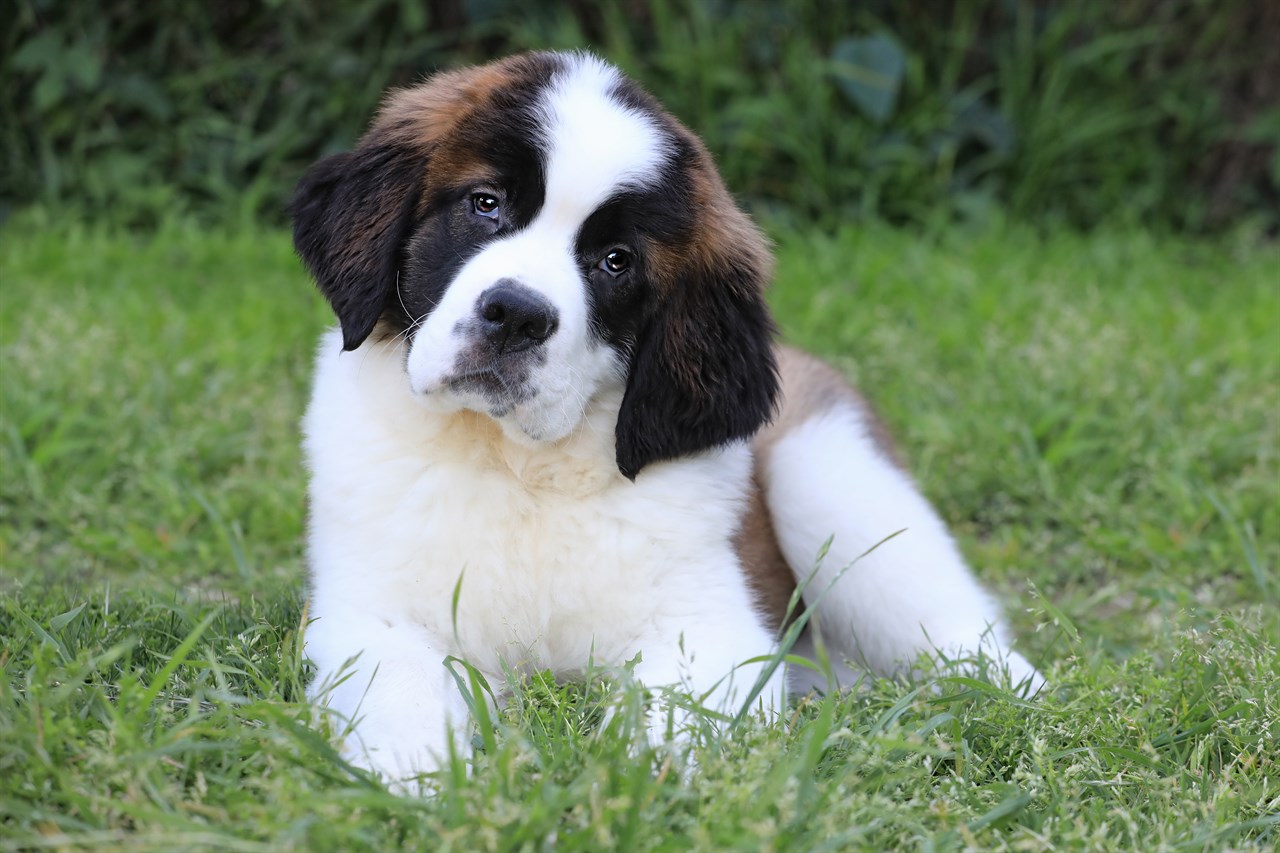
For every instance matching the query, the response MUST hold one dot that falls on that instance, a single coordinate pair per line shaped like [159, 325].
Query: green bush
[1153, 110]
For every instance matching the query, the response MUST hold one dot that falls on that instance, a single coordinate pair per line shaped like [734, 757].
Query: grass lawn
[1098, 417]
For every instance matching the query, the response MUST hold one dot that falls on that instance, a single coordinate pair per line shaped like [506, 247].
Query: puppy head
[536, 233]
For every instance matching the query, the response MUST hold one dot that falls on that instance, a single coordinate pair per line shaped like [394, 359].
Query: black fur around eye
[485, 204]
[616, 262]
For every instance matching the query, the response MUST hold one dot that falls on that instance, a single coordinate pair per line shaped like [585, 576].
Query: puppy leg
[704, 656]
[825, 478]
[802, 679]
[399, 701]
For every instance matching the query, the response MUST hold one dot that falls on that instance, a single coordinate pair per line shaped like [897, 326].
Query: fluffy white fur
[562, 559]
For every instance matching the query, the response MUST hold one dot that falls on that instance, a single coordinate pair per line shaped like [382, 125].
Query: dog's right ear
[352, 214]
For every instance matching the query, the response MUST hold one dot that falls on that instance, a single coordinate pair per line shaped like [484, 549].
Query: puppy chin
[539, 421]
[526, 434]
[530, 422]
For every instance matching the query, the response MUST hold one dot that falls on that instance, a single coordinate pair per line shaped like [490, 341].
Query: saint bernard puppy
[553, 427]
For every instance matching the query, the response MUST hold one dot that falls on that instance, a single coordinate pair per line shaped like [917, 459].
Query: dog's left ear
[703, 372]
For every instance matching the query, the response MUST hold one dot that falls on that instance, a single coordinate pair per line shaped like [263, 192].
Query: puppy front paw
[405, 764]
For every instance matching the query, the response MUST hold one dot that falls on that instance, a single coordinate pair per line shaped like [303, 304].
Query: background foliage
[1165, 111]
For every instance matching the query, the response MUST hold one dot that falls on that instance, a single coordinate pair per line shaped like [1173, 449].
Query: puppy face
[539, 231]
[525, 282]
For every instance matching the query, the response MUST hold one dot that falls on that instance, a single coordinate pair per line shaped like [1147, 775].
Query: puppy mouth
[488, 382]
[500, 387]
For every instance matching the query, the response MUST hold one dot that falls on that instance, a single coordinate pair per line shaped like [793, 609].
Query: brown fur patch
[425, 113]
[811, 387]
[722, 231]
[426, 116]
[766, 569]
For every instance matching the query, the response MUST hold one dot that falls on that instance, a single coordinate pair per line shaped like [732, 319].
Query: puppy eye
[485, 204]
[616, 262]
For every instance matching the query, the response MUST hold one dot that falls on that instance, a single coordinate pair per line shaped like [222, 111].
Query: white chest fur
[561, 559]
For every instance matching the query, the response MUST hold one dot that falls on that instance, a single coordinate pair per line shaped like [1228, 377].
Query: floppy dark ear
[703, 372]
[352, 214]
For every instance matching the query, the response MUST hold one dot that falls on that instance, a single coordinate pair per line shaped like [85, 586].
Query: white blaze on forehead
[595, 144]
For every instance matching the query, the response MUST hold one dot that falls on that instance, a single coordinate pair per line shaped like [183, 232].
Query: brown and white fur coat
[554, 389]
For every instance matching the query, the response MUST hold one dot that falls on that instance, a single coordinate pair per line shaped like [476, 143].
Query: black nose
[515, 317]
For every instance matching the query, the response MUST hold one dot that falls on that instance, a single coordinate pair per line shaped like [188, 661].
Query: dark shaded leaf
[869, 72]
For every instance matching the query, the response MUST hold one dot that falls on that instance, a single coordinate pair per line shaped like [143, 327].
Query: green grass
[1098, 417]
